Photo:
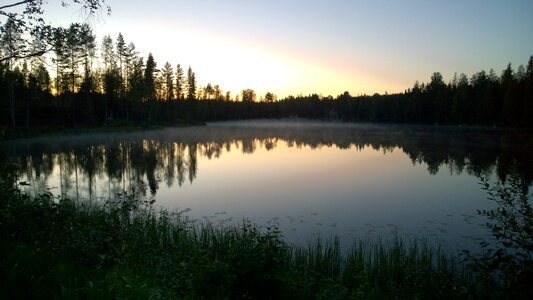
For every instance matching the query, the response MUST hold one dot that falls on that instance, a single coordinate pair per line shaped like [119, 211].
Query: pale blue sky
[291, 47]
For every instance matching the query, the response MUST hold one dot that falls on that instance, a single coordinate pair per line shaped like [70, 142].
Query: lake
[354, 181]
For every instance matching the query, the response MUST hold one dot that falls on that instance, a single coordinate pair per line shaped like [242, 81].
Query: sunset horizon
[283, 149]
[362, 47]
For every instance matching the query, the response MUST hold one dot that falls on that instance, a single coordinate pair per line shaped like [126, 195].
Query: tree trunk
[11, 95]
[105, 121]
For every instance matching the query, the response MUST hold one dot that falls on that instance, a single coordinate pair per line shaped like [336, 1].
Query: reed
[55, 248]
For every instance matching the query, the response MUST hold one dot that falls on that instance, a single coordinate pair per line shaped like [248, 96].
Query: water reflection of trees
[100, 167]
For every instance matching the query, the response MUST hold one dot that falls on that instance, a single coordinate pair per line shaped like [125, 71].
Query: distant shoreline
[25, 133]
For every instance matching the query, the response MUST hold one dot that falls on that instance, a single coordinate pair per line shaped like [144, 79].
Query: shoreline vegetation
[123, 248]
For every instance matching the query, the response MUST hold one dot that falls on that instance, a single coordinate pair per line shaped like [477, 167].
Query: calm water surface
[312, 178]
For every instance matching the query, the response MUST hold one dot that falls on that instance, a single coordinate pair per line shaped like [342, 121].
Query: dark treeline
[143, 162]
[483, 99]
[81, 84]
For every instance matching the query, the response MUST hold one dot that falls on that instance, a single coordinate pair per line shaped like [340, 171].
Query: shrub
[505, 265]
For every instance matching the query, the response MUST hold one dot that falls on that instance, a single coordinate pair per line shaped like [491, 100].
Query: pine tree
[121, 57]
[59, 49]
[191, 85]
[217, 92]
[528, 94]
[180, 83]
[168, 81]
[74, 55]
[131, 57]
[111, 76]
[9, 43]
[27, 17]
[42, 77]
[149, 84]
[136, 82]
[209, 91]
[88, 43]
[149, 79]
[508, 93]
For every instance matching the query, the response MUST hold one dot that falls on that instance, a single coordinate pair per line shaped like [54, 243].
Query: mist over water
[356, 181]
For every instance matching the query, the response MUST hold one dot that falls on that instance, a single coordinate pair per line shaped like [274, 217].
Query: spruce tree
[121, 57]
[168, 81]
[191, 85]
[180, 83]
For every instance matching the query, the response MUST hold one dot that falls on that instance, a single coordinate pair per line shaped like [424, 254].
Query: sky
[292, 47]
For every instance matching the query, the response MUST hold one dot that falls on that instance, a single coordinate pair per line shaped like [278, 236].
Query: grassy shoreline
[54, 248]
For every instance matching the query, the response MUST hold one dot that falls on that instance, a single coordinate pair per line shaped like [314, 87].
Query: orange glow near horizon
[293, 48]
[237, 64]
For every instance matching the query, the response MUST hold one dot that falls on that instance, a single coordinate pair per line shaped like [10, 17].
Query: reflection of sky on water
[328, 179]
[351, 193]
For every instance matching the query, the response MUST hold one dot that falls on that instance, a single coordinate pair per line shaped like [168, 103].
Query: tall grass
[54, 248]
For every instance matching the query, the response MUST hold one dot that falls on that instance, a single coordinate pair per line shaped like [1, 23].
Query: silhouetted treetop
[83, 87]
[27, 17]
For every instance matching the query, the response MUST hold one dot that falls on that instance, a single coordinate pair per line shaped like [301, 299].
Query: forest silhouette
[58, 78]
[95, 85]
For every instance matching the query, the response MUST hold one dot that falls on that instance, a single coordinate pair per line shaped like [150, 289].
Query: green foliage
[53, 247]
[27, 18]
[506, 265]
[126, 235]
[376, 270]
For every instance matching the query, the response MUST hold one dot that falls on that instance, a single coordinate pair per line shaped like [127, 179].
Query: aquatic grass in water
[55, 248]
[393, 268]
[402, 269]
[125, 234]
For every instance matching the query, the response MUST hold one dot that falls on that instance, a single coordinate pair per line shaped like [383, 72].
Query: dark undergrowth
[53, 248]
